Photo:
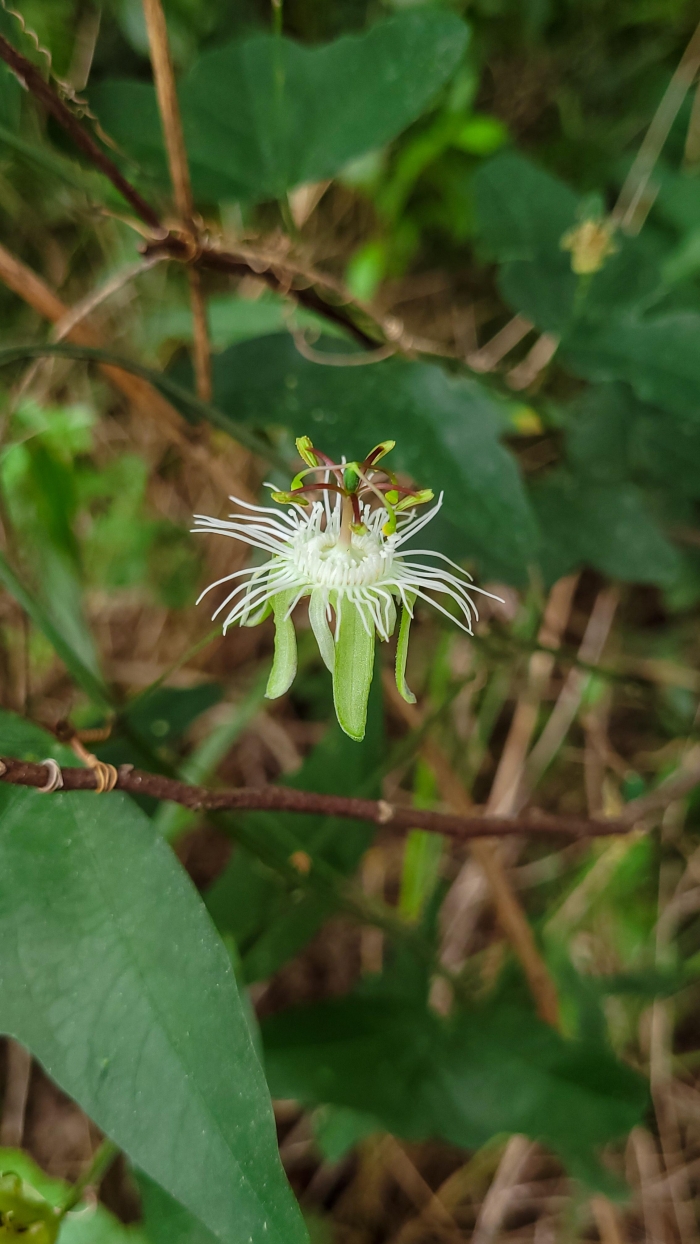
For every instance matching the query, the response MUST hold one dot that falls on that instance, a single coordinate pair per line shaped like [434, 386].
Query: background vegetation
[474, 228]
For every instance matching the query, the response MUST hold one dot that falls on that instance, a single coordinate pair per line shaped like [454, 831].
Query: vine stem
[288, 799]
[92, 1176]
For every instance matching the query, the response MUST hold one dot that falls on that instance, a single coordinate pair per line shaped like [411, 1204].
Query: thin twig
[625, 211]
[288, 799]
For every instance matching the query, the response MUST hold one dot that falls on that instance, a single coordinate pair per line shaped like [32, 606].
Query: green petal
[284, 665]
[402, 651]
[320, 627]
[352, 671]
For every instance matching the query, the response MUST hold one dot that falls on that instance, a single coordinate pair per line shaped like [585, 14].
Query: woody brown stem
[286, 799]
[29, 75]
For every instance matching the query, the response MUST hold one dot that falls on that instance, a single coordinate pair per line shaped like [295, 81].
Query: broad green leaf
[165, 1220]
[608, 526]
[88, 1223]
[523, 214]
[611, 436]
[271, 920]
[269, 114]
[658, 356]
[116, 981]
[26, 741]
[491, 1070]
[264, 114]
[446, 430]
[353, 670]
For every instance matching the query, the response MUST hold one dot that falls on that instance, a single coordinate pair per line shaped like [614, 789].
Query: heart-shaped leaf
[262, 115]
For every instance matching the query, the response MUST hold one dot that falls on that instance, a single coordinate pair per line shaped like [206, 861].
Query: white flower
[347, 554]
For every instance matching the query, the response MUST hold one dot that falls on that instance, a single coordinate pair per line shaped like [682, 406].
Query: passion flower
[340, 541]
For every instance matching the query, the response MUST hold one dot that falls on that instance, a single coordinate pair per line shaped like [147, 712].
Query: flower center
[323, 561]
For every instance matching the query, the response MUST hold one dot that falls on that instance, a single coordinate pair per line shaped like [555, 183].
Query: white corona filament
[371, 572]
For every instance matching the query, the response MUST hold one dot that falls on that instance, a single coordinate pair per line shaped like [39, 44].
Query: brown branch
[32, 79]
[178, 247]
[286, 799]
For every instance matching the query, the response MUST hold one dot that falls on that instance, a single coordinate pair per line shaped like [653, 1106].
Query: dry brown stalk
[510, 913]
[524, 722]
[562, 716]
[649, 1167]
[166, 92]
[606, 1220]
[634, 201]
[497, 1200]
[505, 340]
[461, 906]
[433, 1211]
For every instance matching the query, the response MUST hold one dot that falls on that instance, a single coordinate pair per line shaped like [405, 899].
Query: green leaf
[491, 1070]
[611, 436]
[26, 741]
[608, 526]
[523, 213]
[91, 684]
[89, 1223]
[284, 665]
[264, 114]
[446, 430]
[353, 670]
[10, 98]
[271, 920]
[115, 980]
[658, 356]
[165, 1220]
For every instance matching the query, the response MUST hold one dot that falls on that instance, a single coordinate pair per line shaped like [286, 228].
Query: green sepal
[402, 651]
[352, 671]
[320, 627]
[284, 665]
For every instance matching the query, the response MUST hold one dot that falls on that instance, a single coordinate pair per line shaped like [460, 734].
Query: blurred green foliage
[476, 152]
